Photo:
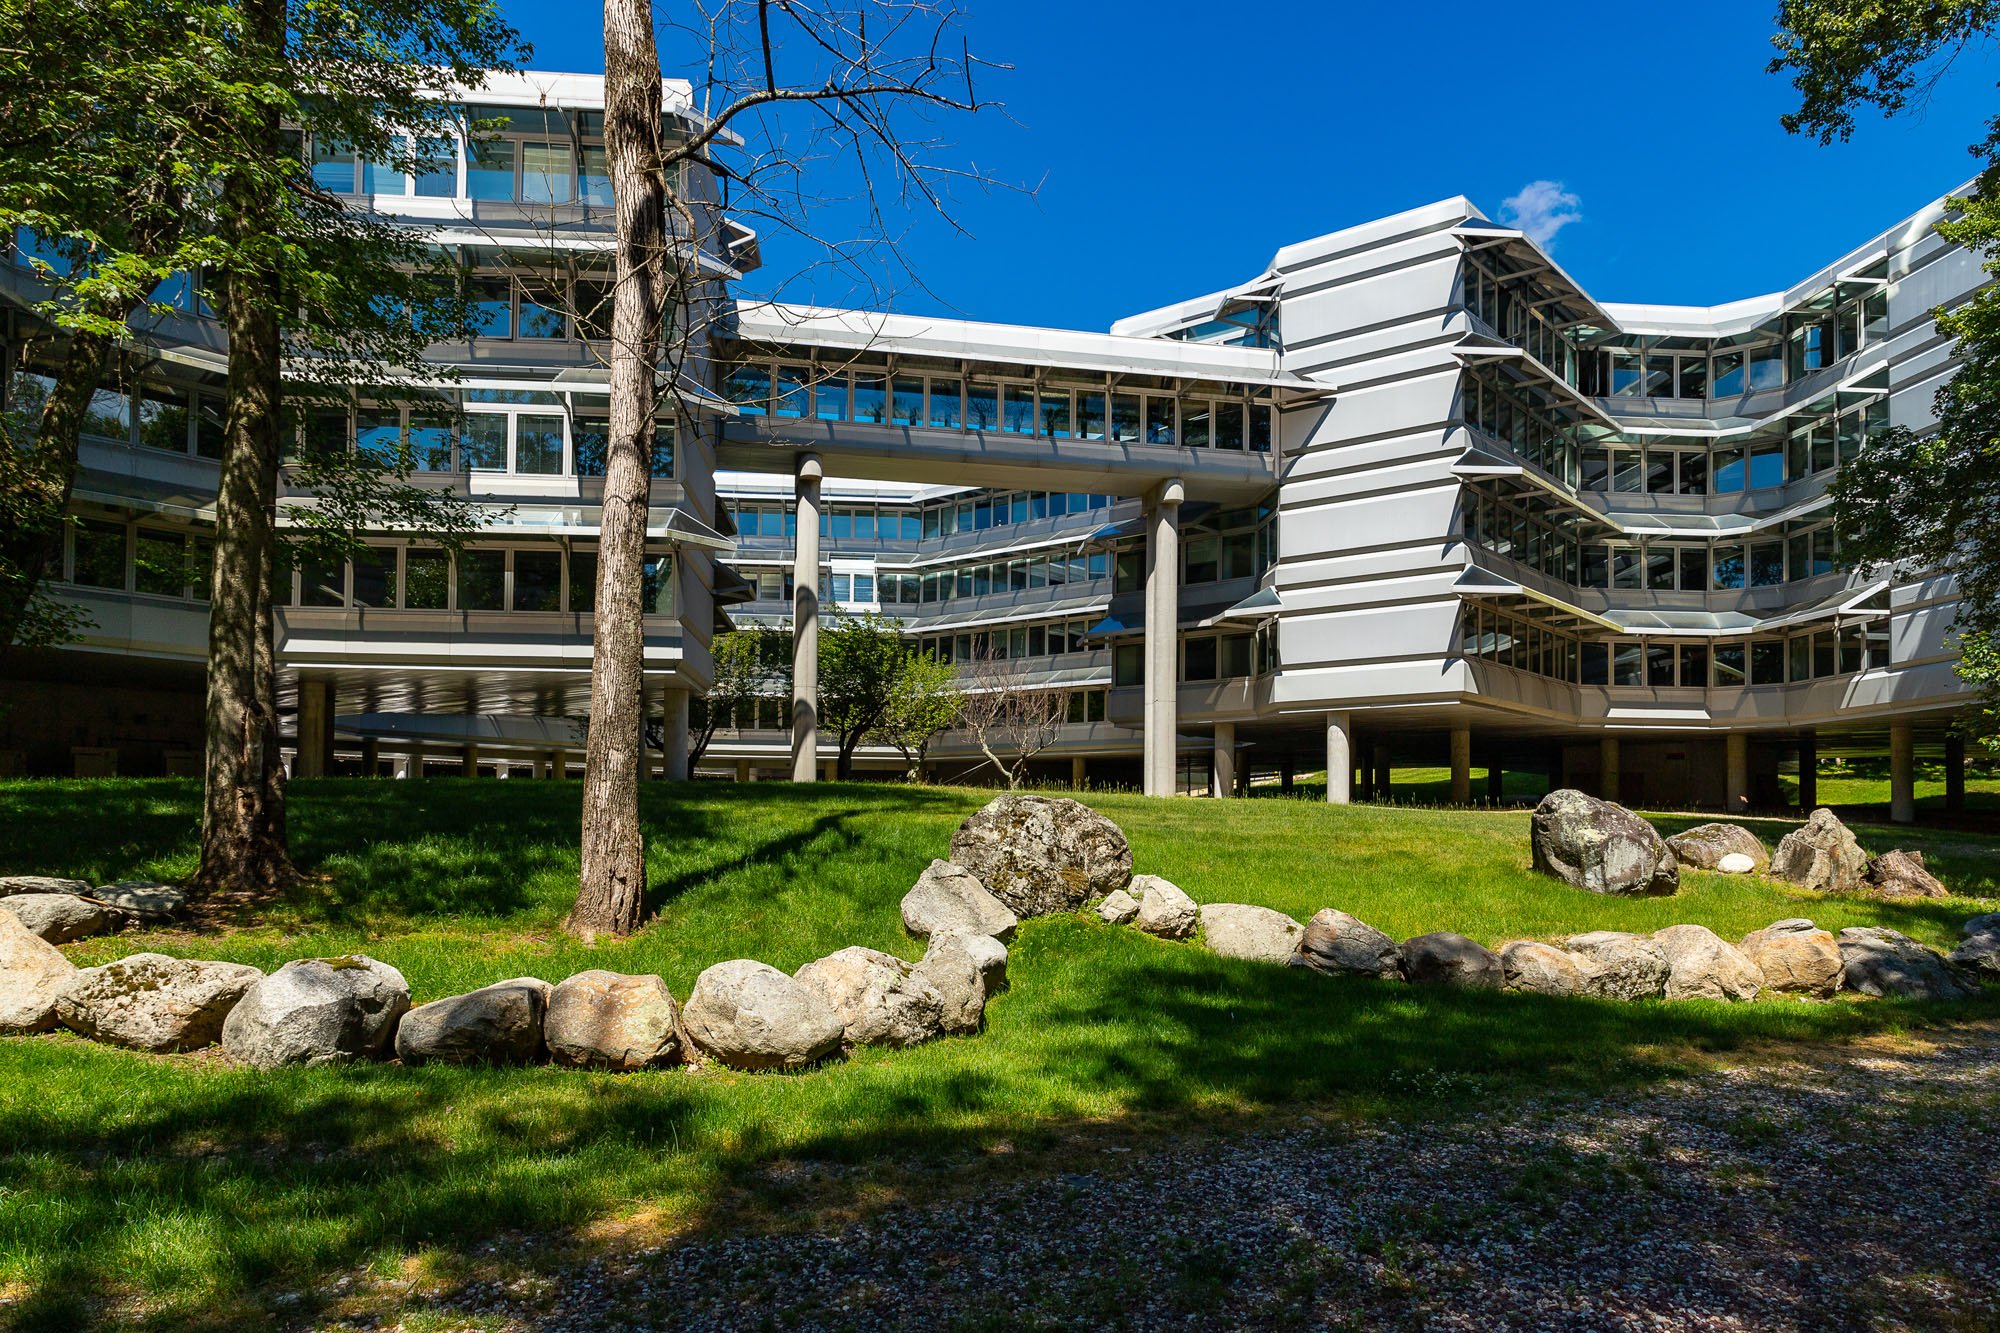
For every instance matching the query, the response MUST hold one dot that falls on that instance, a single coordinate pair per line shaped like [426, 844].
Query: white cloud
[1541, 209]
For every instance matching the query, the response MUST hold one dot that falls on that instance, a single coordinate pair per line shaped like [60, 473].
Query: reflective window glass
[547, 173]
[541, 313]
[159, 562]
[982, 407]
[323, 583]
[945, 405]
[481, 580]
[430, 441]
[375, 577]
[492, 311]
[100, 555]
[1195, 424]
[871, 399]
[385, 177]
[332, 165]
[538, 445]
[489, 170]
[484, 448]
[426, 580]
[906, 405]
[537, 580]
[437, 168]
[1160, 425]
[582, 580]
[596, 178]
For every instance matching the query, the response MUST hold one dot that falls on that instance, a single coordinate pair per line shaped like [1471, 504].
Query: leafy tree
[860, 662]
[1915, 502]
[923, 703]
[750, 665]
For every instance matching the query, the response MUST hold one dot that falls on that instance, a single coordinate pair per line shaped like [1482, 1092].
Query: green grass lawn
[193, 1194]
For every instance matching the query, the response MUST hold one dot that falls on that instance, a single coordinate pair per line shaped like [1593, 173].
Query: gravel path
[1857, 1191]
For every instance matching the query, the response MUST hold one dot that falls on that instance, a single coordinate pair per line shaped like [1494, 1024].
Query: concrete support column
[559, 764]
[832, 769]
[1954, 774]
[1808, 771]
[1607, 767]
[742, 770]
[1223, 778]
[805, 623]
[1461, 766]
[371, 757]
[1902, 774]
[315, 754]
[416, 761]
[1736, 772]
[1339, 759]
[677, 735]
[469, 756]
[1076, 772]
[1163, 597]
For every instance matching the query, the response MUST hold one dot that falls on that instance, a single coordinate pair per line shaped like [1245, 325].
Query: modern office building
[1409, 495]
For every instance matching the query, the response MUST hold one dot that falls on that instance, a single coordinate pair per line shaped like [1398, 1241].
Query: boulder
[1605, 848]
[1795, 955]
[499, 1024]
[151, 1002]
[1241, 930]
[1163, 909]
[1620, 966]
[966, 971]
[1986, 924]
[612, 1020]
[318, 1011]
[949, 899]
[1701, 965]
[1118, 907]
[877, 997]
[1042, 854]
[1736, 863]
[33, 973]
[1821, 854]
[1901, 874]
[60, 917]
[13, 884]
[752, 1016]
[1540, 969]
[145, 900]
[1336, 943]
[1878, 961]
[1444, 959]
[1979, 955]
[1706, 845]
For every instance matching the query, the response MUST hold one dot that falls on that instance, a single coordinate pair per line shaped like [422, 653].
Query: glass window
[1694, 664]
[379, 431]
[489, 170]
[1090, 416]
[323, 583]
[1694, 473]
[1659, 472]
[1628, 472]
[384, 177]
[1767, 564]
[100, 555]
[1627, 663]
[830, 398]
[332, 165]
[1660, 568]
[538, 445]
[537, 580]
[1628, 375]
[982, 407]
[1260, 428]
[430, 441]
[548, 175]
[481, 580]
[1766, 367]
[1767, 466]
[437, 168]
[1125, 417]
[1694, 568]
[582, 580]
[906, 406]
[1229, 425]
[485, 444]
[1694, 377]
[1200, 659]
[375, 577]
[1017, 411]
[596, 178]
[1727, 568]
[159, 563]
[946, 413]
[1822, 654]
[1728, 474]
[1204, 556]
[1729, 380]
[1626, 569]
[163, 417]
[1660, 659]
[1767, 662]
[1160, 421]
[749, 388]
[426, 580]
[1235, 655]
[541, 313]
[492, 311]
[1799, 651]
[109, 413]
[871, 399]
[211, 416]
[1729, 665]
[1195, 425]
[657, 588]
[1053, 409]
[1128, 664]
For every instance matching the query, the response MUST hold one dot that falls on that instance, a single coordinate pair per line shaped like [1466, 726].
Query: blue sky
[1177, 145]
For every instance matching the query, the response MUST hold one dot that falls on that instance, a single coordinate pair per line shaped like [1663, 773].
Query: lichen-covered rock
[13, 884]
[1878, 961]
[1602, 847]
[1821, 854]
[1901, 874]
[1985, 924]
[33, 973]
[966, 971]
[1118, 907]
[1243, 930]
[879, 998]
[1705, 845]
[1701, 965]
[1620, 966]
[949, 899]
[499, 1024]
[151, 1002]
[60, 917]
[1540, 969]
[1978, 955]
[1444, 959]
[318, 1011]
[750, 1015]
[612, 1020]
[1164, 910]
[145, 900]
[1338, 944]
[1795, 955]
[1041, 854]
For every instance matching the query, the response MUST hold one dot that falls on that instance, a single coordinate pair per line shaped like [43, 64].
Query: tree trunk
[243, 794]
[612, 891]
[42, 477]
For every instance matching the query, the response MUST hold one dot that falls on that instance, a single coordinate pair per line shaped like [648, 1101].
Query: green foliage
[1841, 54]
[750, 665]
[860, 661]
[923, 702]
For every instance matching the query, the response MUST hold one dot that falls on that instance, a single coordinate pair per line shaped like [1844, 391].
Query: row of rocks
[62, 910]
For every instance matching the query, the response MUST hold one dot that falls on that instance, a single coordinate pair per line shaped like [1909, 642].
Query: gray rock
[318, 1011]
[145, 900]
[1704, 846]
[1987, 924]
[949, 899]
[151, 1002]
[1901, 874]
[1620, 966]
[1878, 961]
[612, 1020]
[1163, 909]
[1444, 959]
[499, 1024]
[1795, 955]
[752, 1016]
[1242, 930]
[1979, 955]
[1118, 907]
[1701, 965]
[1605, 848]
[1540, 969]
[33, 973]
[1336, 943]
[1736, 863]
[1040, 854]
[60, 917]
[1821, 854]
[878, 998]
[966, 971]
[13, 884]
